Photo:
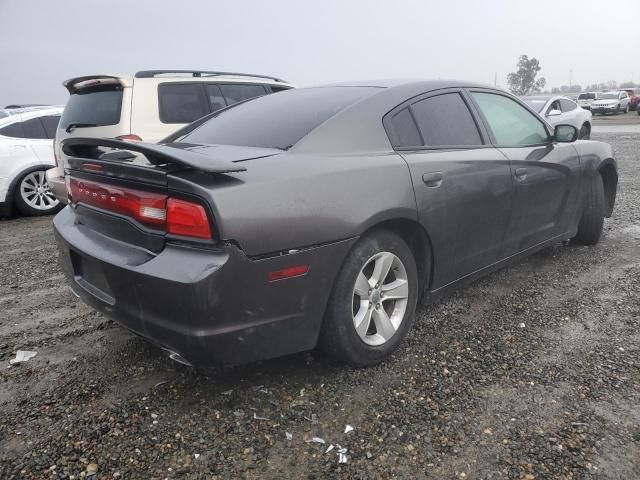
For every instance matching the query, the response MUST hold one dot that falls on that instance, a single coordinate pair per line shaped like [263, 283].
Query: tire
[592, 220]
[32, 195]
[585, 132]
[369, 346]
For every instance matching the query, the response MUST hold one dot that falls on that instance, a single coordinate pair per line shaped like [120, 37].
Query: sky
[310, 42]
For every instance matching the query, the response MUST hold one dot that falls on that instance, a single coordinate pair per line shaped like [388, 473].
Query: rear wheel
[592, 220]
[33, 196]
[373, 302]
[585, 131]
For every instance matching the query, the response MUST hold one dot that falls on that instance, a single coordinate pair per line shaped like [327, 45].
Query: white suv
[611, 102]
[150, 105]
[26, 153]
[585, 99]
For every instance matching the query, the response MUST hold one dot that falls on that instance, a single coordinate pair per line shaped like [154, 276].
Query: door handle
[432, 179]
[521, 173]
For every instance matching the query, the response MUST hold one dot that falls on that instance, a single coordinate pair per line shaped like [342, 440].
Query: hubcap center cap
[375, 296]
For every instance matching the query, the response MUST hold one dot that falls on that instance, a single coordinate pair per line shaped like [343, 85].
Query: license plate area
[89, 275]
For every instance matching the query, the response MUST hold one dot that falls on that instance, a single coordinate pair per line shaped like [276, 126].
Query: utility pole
[570, 78]
[495, 79]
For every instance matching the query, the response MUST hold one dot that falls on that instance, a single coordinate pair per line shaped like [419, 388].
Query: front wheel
[33, 195]
[593, 209]
[373, 302]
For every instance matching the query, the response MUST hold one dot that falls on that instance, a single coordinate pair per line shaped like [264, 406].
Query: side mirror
[554, 113]
[565, 133]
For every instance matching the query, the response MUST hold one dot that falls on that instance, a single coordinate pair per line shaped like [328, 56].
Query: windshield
[609, 96]
[279, 120]
[93, 108]
[586, 96]
[536, 104]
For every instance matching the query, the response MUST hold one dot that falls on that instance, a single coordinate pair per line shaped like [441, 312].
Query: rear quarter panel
[292, 201]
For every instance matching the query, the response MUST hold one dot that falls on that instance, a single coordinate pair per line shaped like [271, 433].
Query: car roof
[169, 75]
[358, 128]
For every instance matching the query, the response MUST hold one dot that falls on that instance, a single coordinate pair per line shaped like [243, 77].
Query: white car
[26, 153]
[611, 102]
[585, 99]
[150, 105]
[559, 110]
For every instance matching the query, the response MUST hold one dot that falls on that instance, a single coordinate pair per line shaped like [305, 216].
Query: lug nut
[378, 306]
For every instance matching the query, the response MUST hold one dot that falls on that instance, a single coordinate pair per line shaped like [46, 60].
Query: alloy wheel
[380, 298]
[36, 193]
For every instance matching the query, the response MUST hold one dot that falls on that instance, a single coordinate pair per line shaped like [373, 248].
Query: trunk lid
[121, 189]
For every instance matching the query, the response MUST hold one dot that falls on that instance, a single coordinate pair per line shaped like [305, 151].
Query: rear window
[93, 108]
[587, 96]
[182, 102]
[277, 121]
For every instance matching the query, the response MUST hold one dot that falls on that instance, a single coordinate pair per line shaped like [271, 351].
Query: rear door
[545, 174]
[462, 184]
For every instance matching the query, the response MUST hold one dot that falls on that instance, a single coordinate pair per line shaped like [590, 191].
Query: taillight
[156, 210]
[129, 138]
[145, 207]
[187, 219]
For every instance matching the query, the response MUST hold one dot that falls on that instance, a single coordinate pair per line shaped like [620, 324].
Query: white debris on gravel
[22, 356]
[348, 428]
[288, 436]
[317, 440]
[329, 448]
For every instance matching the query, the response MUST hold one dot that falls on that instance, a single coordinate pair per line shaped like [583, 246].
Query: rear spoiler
[78, 83]
[156, 154]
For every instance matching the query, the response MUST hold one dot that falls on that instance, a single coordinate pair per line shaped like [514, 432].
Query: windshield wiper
[73, 126]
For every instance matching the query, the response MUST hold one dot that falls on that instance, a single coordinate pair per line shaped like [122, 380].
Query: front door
[545, 173]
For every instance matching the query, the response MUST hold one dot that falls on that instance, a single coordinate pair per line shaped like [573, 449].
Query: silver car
[561, 110]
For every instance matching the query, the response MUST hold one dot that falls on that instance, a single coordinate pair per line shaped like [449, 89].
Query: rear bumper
[55, 179]
[210, 306]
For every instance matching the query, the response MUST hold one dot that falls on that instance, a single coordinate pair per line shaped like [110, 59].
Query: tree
[523, 81]
[627, 85]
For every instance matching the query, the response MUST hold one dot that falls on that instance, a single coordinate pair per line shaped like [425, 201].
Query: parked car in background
[26, 153]
[585, 99]
[561, 110]
[321, 216]
[634, 97]
[616, 101]
[150, 105]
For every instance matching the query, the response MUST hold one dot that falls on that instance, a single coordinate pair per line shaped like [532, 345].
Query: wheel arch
[418, 240]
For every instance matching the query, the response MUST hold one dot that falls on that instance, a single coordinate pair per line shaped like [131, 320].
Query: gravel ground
[530, 373]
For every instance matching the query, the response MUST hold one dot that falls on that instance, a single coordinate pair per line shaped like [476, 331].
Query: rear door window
[33, 129]
[445, 120]
[567, 105]
[216, 100]
[182, 102]
[235, 93]
[93, 107]
[404, 131]
[50, 124]
[14, 130]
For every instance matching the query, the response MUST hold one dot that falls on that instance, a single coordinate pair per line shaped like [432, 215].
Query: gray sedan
[321, 216]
